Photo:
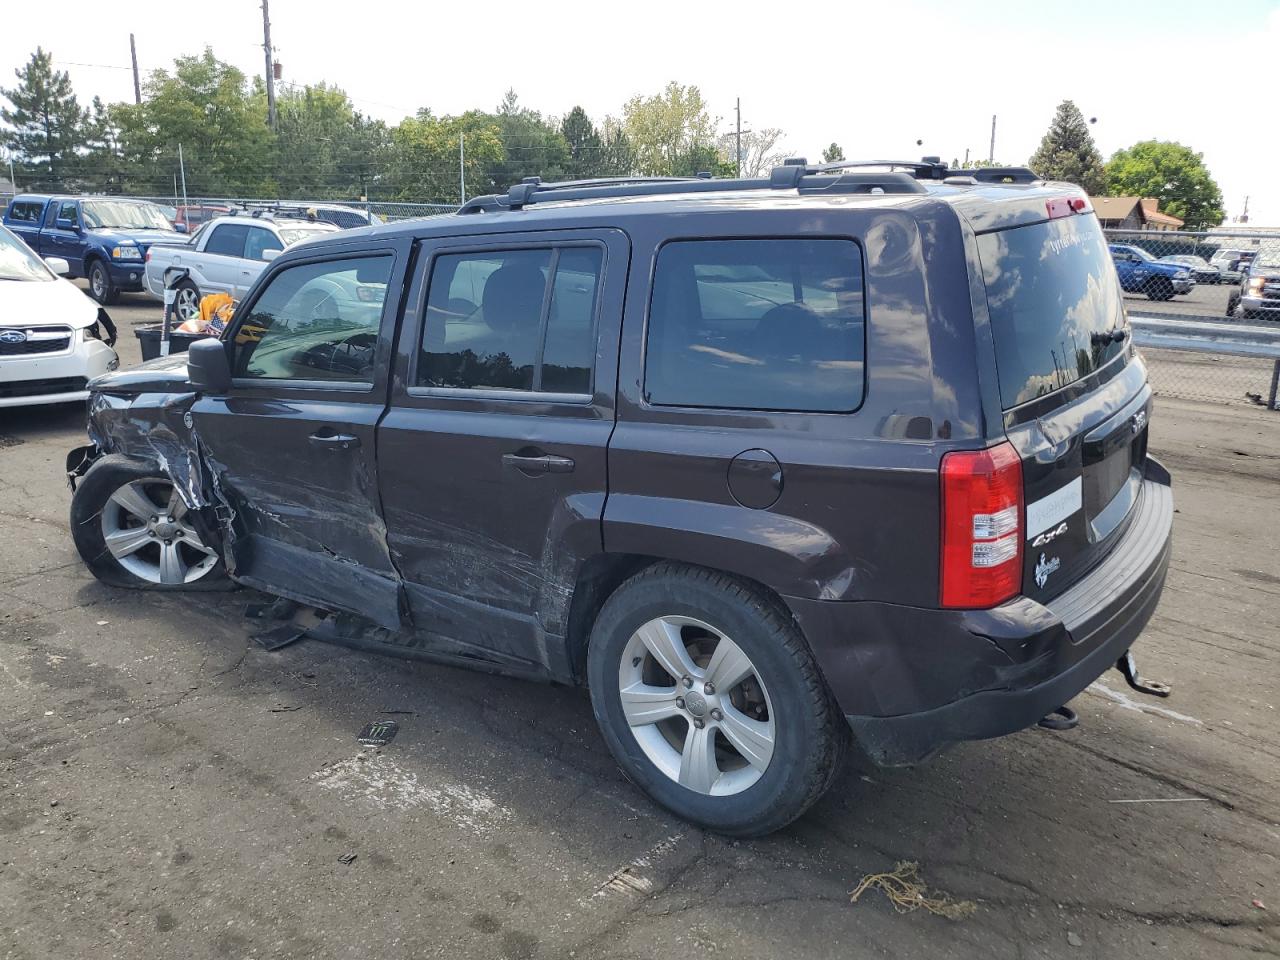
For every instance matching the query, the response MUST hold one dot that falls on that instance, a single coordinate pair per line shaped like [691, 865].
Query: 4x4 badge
[1050, 535]
[1044, 568]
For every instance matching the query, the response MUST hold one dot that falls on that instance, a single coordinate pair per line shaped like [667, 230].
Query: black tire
[810, 734]
[100, 286]
[1233, 301]
[1160, 289]
[190, 289]
[102, 480]
[1251, 314]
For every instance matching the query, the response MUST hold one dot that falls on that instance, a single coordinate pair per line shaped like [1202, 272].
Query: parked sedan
[1201, 269]
[51, 335]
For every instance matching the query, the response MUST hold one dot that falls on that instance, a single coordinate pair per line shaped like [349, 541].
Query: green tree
[586, 148]
[833, 153]
[423, 156]
[618, 159]
[44, 120]
[532, 146]
[1067, 151]
[1172, 173]
[671, 133]
[759, 152]
[323, 147]
[218, 118]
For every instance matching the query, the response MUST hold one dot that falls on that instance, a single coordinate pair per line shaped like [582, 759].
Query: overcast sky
[873, 77]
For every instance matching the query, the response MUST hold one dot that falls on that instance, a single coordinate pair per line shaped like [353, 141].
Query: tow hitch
[1064, 718]
[1127, 666]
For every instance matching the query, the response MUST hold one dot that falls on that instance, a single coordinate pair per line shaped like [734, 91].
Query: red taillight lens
[981, 526]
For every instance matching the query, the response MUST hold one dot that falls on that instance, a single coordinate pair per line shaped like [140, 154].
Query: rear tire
[771, 738]
[100, 286]
[113, 514]
[1160, 289]
[186, 301]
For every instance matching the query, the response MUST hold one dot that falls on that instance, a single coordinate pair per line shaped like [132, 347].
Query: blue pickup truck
[104, 239]
[1140, 272]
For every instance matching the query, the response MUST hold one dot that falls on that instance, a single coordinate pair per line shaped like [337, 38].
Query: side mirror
[270, 254]
[64, 224]
[58, 265]
[208, 368]
[180, 227]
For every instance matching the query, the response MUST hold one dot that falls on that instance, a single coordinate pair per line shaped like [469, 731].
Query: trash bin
[149, 340]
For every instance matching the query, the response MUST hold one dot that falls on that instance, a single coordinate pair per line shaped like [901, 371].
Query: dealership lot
[170, 787]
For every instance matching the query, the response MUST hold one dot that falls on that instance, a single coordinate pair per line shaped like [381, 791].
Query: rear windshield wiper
[1109, 336]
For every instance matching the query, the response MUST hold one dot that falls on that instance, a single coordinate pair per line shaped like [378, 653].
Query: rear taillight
[981, 526]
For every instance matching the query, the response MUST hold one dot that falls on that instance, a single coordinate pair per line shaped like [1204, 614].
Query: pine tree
[585, 146]
[833, 153]
[45, 122]
[1067, 151]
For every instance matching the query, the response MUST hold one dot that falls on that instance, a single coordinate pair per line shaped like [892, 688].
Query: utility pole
[991, 157]
[137, 86]
[14, 183]
[271, 70]
[182, 168]
[738, 132]
[462, 168]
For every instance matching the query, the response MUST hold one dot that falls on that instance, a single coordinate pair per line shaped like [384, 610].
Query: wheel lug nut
[687, 681]
[708, 688]
[680, 702]
[699, 724]
[716, 715]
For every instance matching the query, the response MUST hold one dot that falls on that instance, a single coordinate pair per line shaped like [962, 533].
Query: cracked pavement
[169, 788]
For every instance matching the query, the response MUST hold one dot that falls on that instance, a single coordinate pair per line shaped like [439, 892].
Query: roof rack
[795, 173]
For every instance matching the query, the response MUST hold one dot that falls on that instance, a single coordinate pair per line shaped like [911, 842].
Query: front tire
[747, 736]
[1160, 289]
[132, 530]
[100, 286]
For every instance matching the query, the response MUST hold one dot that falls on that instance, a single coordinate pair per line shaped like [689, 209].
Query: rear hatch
[1076, 404]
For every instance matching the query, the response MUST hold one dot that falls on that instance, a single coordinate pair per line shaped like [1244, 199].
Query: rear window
[1050, 288]
[25, 211]
[757, 325]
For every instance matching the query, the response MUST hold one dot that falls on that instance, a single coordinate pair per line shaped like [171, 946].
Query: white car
[225, 256]
[51, 342]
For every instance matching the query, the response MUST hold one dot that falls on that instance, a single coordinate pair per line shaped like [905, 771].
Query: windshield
[17, 262]
[123, 214]
[1050, 287]
[291, 235]
[1140, 252]
[1267, 260]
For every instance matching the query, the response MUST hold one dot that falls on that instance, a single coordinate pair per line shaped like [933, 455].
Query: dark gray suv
[761, 463]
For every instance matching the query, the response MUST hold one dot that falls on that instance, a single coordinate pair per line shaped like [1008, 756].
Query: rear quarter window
[769, 324]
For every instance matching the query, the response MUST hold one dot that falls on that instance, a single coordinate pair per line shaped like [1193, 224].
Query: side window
[261, 240]
[315, 321]
[757, 325]
[68, 211]
[512, 320]
[227, 239]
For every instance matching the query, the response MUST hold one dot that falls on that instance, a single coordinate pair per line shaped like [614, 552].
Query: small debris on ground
[907, 892]
[348, 858]
[378, 733]
[1073, 938]
[103, 623]
[1258, 904]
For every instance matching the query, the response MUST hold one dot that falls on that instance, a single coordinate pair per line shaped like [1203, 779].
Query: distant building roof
[1143, 209]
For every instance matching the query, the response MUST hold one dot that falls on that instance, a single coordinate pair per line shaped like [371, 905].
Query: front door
[64, 235]
[492, 456]
[291, 447]
[222, 259]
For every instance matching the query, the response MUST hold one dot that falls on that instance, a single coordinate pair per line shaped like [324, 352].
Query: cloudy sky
[873, 77]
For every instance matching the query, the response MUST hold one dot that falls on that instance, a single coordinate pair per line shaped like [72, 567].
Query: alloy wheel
[696, 705]
[146, 528]
[187, 304]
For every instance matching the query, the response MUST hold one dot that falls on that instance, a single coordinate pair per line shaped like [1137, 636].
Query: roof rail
[795, 173]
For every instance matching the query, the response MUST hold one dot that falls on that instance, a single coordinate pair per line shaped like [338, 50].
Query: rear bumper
[911, 681]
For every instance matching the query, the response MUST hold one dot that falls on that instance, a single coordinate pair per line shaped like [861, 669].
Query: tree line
[322, 147]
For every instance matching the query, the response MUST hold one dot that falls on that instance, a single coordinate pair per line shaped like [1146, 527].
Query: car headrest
[513, 293]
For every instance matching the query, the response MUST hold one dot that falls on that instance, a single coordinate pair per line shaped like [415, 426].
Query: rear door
[492, 457]
[24, 218]
[1075, 396]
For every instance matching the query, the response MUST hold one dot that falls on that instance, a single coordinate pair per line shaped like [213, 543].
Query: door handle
[537, 464]
[329, 439]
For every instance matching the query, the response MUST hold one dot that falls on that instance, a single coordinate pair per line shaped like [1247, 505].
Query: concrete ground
[168, 788]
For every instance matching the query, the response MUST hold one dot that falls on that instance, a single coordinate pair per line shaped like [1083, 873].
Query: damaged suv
[762, 463]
